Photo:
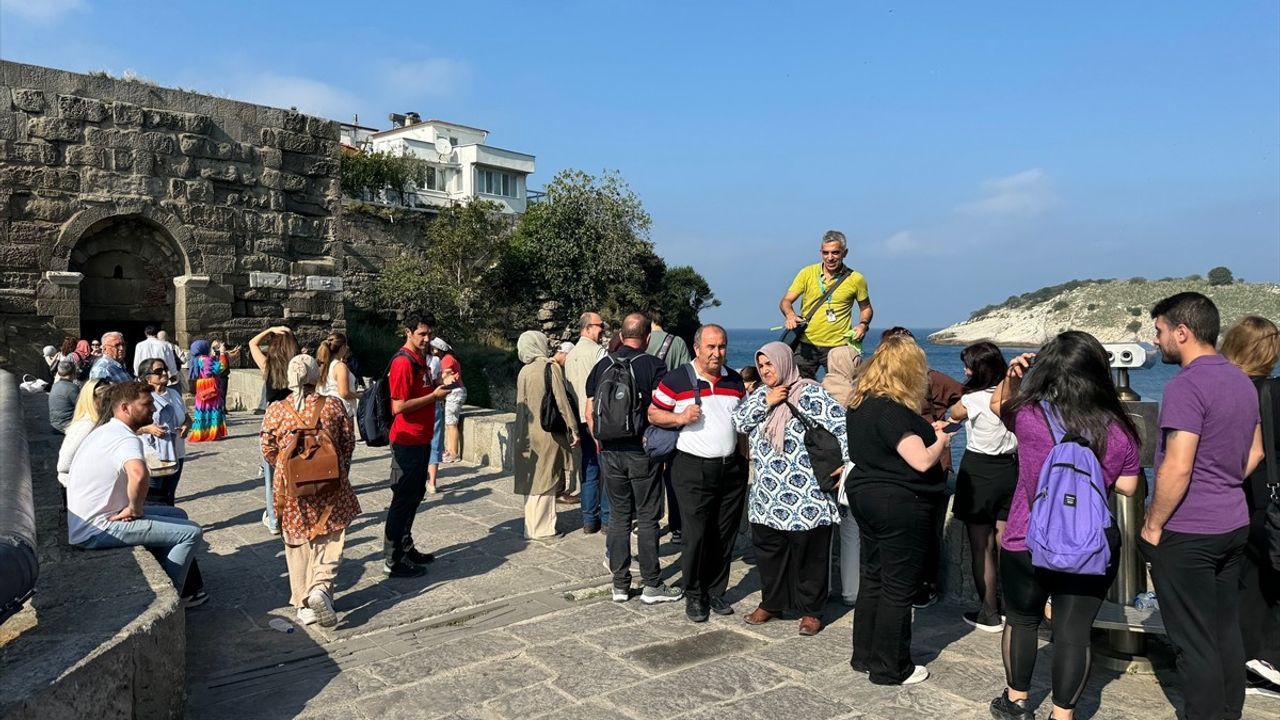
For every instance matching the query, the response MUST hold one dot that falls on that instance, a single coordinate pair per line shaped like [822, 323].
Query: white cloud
[901, 243]
[432, 77]
[41, 11]
[313, 97]
[1025, 195]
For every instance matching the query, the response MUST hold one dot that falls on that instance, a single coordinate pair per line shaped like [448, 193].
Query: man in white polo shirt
[709, 475]
[107, 489]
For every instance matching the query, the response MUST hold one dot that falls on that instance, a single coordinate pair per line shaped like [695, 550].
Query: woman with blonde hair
[1253, 345]
[893, 498]
[313, 526]
[89, 408]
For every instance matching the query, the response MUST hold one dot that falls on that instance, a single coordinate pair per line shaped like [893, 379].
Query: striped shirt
[713, 435]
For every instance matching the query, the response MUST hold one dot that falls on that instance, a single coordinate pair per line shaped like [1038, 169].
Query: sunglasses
[161, 371]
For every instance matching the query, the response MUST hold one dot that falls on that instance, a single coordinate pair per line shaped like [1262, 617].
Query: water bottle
[281, 624]
[1146, 601]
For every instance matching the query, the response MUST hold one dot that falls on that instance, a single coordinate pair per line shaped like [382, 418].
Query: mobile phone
[952, 427]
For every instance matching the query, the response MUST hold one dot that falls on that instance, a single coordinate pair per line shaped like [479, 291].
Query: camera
[1130, 355]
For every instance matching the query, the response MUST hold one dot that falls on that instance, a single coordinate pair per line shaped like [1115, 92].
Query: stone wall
[372, 236]
[231, 206]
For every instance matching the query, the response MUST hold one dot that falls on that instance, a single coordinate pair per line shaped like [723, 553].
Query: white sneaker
[306, 616]
[920, 675]
[1263, 689]
[1265, 670]
[320, 604]
[621, 594]
[274, 530]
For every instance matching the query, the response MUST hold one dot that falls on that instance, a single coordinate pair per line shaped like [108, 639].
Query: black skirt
[984, 487]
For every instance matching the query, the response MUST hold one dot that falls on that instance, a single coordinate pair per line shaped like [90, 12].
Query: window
[435, 179]
[495, 182]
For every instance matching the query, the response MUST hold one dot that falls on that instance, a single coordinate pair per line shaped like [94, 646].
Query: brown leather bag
[311, 462]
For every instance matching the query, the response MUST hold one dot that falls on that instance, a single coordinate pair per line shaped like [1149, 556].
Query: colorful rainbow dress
[209, 421]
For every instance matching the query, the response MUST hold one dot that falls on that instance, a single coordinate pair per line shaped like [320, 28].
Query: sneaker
[403, 569]
[199, 598]
[266, 522]
[418, 558]
[1262, 688]
[985, 623]
[320, 604]
[919, 675]
[431, 489]
[1002, 708]
[621, 594]
[1265, 670]
[660, 594]
[306, 616]
[927, 597]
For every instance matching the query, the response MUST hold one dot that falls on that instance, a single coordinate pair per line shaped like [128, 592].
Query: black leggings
[1076, 600]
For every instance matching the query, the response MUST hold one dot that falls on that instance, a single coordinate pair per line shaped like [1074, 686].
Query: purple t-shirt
[1215, 400]
[1034, 444]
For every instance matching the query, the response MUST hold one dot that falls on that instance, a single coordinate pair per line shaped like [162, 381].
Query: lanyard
[822, 287]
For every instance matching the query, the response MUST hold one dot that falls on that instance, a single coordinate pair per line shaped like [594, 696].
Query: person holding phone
[988, 474]
[451, 376]
[167, 433]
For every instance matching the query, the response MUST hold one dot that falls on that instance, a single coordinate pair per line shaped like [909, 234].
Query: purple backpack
[1069, 514]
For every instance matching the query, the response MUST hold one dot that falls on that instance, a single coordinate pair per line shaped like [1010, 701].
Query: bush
[1137, 280]
[1221, 276]
[1136, 311]
[1091, 307]
[1061, 305]
[1134, 326]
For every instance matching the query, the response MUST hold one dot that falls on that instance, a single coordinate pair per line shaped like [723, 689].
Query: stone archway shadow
[86, 222]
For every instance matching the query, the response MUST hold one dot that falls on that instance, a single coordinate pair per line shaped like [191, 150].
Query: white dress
[331, 389]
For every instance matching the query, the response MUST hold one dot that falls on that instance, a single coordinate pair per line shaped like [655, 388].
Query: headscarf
[531, 346]
[302, 371]
[784, 364]
[50, 351]
[82, 350]
[198, 348]
[842, 366]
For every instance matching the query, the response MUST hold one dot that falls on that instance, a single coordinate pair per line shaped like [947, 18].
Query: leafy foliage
[366, 175]
[1221, 276]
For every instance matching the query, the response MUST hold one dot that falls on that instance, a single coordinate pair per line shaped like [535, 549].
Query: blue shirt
[104, 368]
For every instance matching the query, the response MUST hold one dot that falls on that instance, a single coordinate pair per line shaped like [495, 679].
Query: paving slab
[504, 628]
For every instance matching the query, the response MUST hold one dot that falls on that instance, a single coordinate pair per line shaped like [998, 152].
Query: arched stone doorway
[128, 264]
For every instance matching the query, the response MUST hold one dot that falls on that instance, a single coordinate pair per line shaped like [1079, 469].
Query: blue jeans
[165, 531]
[595, 504]
[268, 475]
[437, 436]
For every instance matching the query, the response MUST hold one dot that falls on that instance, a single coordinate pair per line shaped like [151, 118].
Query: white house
[462, 166]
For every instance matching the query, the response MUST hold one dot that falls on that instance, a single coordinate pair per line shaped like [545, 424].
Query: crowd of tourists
[646, 427]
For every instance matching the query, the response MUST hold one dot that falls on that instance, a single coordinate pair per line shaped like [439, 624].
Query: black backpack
[617, 407]
[550, 417]
[373, 413]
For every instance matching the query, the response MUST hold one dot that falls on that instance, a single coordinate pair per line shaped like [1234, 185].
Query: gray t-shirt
[62, 403]
[677, 354]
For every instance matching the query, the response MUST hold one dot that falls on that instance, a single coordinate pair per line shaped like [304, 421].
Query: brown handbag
[311, 464]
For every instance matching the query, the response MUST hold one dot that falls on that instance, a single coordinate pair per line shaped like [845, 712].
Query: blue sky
[970, 151]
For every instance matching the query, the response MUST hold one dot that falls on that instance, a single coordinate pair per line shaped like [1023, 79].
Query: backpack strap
[665, 347]
[1056, 431]
[697, 389]
[1269, 436]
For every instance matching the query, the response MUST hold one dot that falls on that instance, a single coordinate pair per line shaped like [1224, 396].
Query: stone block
[299, 226]
[223, 151]
[293, 183]
[274, 280]
[322, 128]
[214, 217]
[196, 123]
[75, 107]
[269, 137]
[264, 264]
[87, 155]
[156, 142]
[60, 129]
[189, 144]
[200, 191]
[179, 166]
[220, 173]
[219, 264]
[8, 126]
[323, 266]
[270, 245]
[17, 302]
[19, 255]
[28, 100]
[177, 188]
[102, 137]
[272, 179]
[35, 153]
[22, 232]
[271, 157]
[295, 142]
[164, 119]
[127, 114]
[325, 167]
[295, 121]
[324, 283]
[122, 159]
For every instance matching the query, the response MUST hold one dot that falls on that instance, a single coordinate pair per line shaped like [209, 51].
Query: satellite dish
[443, 147]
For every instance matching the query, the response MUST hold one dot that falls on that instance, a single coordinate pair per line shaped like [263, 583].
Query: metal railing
[19, 566]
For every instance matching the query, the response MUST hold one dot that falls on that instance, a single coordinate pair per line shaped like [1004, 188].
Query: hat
[440, 345]
[565, 347]
[66, 367]
[50, 351]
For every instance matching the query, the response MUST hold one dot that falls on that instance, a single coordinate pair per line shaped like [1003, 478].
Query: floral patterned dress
[301, 518]
[209, 421]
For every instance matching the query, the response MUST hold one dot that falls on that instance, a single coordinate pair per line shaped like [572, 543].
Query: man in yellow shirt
[830, 325]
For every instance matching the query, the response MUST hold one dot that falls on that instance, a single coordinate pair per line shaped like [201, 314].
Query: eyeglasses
[161, 371]
[600, 325]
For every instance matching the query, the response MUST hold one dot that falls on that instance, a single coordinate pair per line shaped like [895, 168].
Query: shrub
[1061, 305]
[1134, 326]
[1136, 311]
[1221, 276]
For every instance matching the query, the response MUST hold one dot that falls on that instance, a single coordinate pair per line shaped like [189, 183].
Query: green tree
[683, 296]
[584, 244]
[366, 174]
[1221, 276]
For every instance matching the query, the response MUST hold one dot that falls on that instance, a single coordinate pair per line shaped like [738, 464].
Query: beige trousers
[312, 565]
[540, 515]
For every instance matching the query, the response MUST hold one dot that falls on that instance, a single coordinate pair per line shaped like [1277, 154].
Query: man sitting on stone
[111, 365]
[107, 489]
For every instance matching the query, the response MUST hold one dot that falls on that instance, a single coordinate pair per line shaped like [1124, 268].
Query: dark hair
[150, 331]
[615, 342]
[987, 364]
[896, 331]
[124, 392]
[750, 374]
[1193, 310]
[68, 346]
[413, 319]
[1073, 374]
[656, 315]
[151, 364]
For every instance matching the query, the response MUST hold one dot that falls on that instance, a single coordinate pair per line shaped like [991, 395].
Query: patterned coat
[785, 494]
[299, 517]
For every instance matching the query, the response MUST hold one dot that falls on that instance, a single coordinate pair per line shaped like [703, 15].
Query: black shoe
[591, 528]
[720, 607]
[1002, 708]
[259, 411]
[696, 610]
[419, 558]
[926, 597]
[402, 569]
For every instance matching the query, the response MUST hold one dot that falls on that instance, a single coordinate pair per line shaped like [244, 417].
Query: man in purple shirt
[1197, 523]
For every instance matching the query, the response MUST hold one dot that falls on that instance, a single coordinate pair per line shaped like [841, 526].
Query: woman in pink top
[1071, 372]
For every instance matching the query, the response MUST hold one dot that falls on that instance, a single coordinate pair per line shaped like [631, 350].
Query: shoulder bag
[792, 337]
[824, 452]
[660, 442]
[550, 417]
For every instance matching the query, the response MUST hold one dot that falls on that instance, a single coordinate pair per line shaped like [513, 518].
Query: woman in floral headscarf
[209, 421]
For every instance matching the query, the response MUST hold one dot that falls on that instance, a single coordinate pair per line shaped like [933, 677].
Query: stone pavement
[503, 628]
